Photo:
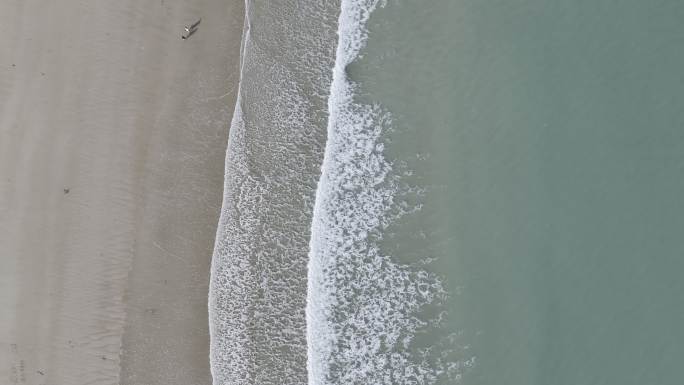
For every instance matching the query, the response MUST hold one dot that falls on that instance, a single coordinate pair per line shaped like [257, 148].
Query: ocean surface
[454, 192]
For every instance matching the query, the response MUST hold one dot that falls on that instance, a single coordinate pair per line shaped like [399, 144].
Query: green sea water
[548, 139]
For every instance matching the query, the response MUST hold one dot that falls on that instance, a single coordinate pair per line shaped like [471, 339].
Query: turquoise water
[473, 192]
[549, 139]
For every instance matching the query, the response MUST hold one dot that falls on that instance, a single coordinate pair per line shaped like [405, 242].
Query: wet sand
[112, 139]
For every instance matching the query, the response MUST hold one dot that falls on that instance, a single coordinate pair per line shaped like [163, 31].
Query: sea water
[497, 199]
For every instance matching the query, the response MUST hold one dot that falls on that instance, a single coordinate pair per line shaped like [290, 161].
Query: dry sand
[112, 140]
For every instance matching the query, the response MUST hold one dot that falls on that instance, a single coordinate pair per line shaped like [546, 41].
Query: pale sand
[107, 284]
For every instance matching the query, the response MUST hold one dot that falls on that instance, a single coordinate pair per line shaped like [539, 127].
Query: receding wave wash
[258, 285]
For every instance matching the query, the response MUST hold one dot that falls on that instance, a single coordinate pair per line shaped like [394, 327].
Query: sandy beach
[112, 141]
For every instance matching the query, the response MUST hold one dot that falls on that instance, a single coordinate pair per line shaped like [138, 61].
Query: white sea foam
[362, 306]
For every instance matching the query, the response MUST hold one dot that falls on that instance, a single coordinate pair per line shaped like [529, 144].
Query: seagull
[189, 30]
